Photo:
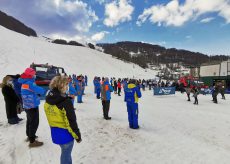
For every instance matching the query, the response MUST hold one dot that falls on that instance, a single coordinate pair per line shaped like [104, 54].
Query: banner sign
[227, 91]
[164, 90]
[206, 91]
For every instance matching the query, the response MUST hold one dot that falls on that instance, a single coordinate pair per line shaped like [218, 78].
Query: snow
[173, 131]
[18, 51]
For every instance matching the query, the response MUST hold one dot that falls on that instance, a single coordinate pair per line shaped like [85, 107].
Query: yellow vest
[131, 86]
[57, 118]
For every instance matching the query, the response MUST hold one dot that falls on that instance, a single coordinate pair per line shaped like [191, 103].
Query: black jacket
[54, 97]
[11, 100]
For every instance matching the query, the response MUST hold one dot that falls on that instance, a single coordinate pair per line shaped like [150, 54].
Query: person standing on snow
[86, 80]
[222, 91]
[115, 86]
[71, 90]
[150, 84]
[215, 92]
[112, 82]
[119, 87]
[11, 100]
[94, 84]
[62, 118]
[30, 98]
[188, 91]
[79, 89]
[83, 85]
[143, 83]
[195, 95]
[132, 93]
[98, 87]
[106, 90]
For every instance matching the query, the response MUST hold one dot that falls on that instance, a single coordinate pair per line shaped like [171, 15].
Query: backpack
[129, 94]
[103, 91]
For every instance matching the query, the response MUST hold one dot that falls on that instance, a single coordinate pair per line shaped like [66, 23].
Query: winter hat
[30, 72]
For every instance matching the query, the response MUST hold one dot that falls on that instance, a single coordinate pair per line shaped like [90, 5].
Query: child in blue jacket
[30, 98]
[132, 93]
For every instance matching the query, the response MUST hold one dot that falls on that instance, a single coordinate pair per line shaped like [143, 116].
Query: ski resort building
[217, 72]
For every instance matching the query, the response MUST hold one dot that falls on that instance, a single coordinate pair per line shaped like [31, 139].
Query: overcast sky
[196, 25]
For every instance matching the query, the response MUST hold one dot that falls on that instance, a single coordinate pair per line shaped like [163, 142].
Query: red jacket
[119, 84]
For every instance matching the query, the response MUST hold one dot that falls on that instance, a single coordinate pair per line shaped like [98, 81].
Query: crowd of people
[76, 87]
[131, 87]
[22, 94]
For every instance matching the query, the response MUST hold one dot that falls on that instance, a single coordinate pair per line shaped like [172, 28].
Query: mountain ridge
[13, 24]
[145, 53]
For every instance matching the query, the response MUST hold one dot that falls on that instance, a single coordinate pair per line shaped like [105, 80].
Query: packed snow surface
[17, 52]
[172, 130]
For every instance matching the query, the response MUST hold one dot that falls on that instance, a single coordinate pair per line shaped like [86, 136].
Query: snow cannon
[45, 73]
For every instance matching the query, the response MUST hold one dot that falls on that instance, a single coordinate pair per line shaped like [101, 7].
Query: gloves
[79, 137]
[79, 140]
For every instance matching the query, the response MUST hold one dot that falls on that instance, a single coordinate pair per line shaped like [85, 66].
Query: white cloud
[118, 12]
[81, 38]
[225, 13]
[176, 14]
[99, 36]
[188, 37]
[77, 12]
[206, 20]
[53, 16]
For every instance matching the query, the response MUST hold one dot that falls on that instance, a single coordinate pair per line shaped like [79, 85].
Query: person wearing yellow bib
[61, 118]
